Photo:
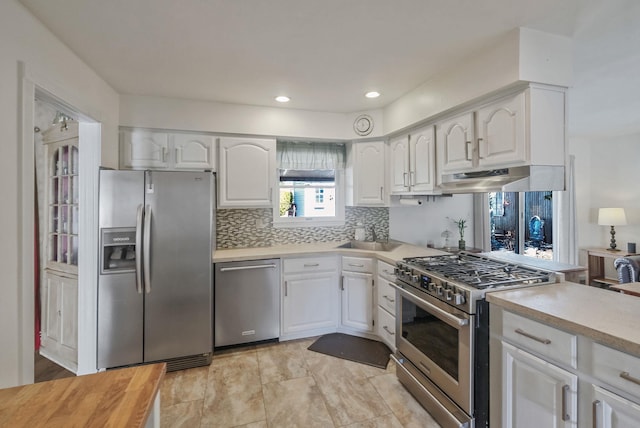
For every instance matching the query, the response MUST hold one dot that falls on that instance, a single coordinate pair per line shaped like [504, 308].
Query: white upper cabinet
[455, 143]
[142, 149]
[367, 163]
[526, 128]
[193, 151]
[501, 132]
[247, 172]
[412, 162]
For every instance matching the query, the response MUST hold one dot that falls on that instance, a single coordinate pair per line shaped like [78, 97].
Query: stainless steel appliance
[442, 331]
[247, 301]
[513, 179]
[155, 280]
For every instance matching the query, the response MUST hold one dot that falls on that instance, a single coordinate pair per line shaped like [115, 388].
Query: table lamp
[612, 217]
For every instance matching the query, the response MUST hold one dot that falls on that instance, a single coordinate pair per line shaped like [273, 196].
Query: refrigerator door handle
[146, 251]
[139, 219]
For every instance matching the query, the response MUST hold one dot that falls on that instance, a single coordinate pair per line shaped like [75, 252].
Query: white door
[455, 143]
[501, 132]
[247, 172]
[399, 164]
[357, 301]
[612, 411]
[193, 151]
[422, 163]
[145, 149]
[309, 302]
[369, 173]
[536, 393]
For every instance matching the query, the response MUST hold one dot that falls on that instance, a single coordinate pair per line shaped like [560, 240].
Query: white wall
[192, 115]
[51, 64]
[425, 223]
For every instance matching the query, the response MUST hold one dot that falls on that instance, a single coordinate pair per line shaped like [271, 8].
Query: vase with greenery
[462, 224]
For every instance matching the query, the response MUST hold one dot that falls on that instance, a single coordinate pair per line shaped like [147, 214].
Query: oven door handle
[450, 319]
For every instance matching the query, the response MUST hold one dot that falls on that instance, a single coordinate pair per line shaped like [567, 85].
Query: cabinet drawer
[310, 264]
[548, 341]
[385, 270]
[387, 296]
[386, 326]
[357, 264]
[616, 368]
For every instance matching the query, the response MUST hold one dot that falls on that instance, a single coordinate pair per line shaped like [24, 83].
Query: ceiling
[324, 54]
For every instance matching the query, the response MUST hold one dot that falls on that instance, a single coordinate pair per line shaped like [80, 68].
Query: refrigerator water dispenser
[118, 250]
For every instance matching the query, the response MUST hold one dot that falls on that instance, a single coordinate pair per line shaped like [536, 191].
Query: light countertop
[604, 316]
[301, 250]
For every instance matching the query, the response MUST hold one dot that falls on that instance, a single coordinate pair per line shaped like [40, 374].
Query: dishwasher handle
[229, 269]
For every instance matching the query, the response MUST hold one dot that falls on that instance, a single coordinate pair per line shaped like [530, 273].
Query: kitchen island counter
[292, 250]
[115, 398]
[604, 316]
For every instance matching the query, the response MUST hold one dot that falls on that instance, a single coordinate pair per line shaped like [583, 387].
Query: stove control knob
[415, 278]
[458, 298]
[439, 290]
[432, 287]
[448, 294]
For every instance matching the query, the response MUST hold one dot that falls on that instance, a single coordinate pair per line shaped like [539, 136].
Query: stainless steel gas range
[443, 348]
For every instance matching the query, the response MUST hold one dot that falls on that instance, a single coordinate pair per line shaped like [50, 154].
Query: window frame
[292, 222]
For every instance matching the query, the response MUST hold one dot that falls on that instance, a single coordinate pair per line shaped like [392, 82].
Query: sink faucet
[373, 234]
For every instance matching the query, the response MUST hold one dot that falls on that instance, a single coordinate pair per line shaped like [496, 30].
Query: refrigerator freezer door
[119, 321]
[120, 305]
[178, 302]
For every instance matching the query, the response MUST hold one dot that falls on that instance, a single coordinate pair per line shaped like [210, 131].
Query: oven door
[438, 340]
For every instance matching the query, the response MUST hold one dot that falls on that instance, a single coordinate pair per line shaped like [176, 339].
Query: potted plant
[462, 224]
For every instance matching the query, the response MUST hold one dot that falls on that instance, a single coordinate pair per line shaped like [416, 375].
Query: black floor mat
[353, 348]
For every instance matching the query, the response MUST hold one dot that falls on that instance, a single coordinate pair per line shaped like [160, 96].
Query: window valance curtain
[310, 155]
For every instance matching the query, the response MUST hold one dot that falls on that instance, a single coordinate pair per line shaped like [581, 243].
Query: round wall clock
[363, 124]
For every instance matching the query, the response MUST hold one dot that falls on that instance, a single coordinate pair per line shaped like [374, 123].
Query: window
[522, 223]
[310, 185]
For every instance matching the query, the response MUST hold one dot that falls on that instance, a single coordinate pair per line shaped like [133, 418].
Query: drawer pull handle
[531, 336]
[389, 299]
[594, 410]
[353, 265]
[311, 264]
[627, 376]
[388, 331]
[565, 415]
[286, 289]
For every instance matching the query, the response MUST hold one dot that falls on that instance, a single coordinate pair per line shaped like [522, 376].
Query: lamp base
[612, 244]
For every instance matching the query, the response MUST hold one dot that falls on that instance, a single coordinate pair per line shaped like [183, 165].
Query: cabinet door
[193, 151]
[60, 320]
[399, 164]
[536, 393]
[357, 301]
[369, 174]
[52, 310]
[247, 171]
[69, 315]
[144, 149]
[455, 143]
[386, 328]
[501, 132]
[309, 302]
[612, 411]
[422, 162]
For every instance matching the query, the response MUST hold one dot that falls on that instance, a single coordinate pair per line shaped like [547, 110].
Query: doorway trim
[33, 83]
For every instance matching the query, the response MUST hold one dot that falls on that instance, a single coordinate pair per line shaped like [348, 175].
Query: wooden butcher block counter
[115, 398]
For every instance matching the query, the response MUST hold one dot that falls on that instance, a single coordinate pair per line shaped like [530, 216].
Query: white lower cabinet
[386, 304]
[309, 296]
[358, 289]
[536, 393]
[59, 329]
[610, 410]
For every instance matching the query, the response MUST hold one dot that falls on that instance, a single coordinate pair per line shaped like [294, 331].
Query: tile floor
[285, 385]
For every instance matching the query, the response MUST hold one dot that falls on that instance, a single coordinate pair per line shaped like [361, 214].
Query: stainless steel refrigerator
[155, 291]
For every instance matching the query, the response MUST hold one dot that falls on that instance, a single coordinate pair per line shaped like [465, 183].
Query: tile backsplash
[238, 228]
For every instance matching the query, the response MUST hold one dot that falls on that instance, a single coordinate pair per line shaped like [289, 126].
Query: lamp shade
[612, 217]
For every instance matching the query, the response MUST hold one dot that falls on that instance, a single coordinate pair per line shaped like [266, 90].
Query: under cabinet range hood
[515, 179]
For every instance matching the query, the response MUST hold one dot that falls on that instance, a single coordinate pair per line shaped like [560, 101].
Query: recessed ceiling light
[283, 99]
[372, 94]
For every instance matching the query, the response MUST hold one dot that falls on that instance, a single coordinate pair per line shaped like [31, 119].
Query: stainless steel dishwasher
[247, 302]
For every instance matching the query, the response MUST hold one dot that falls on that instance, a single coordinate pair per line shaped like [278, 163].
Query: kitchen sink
[370, 245]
